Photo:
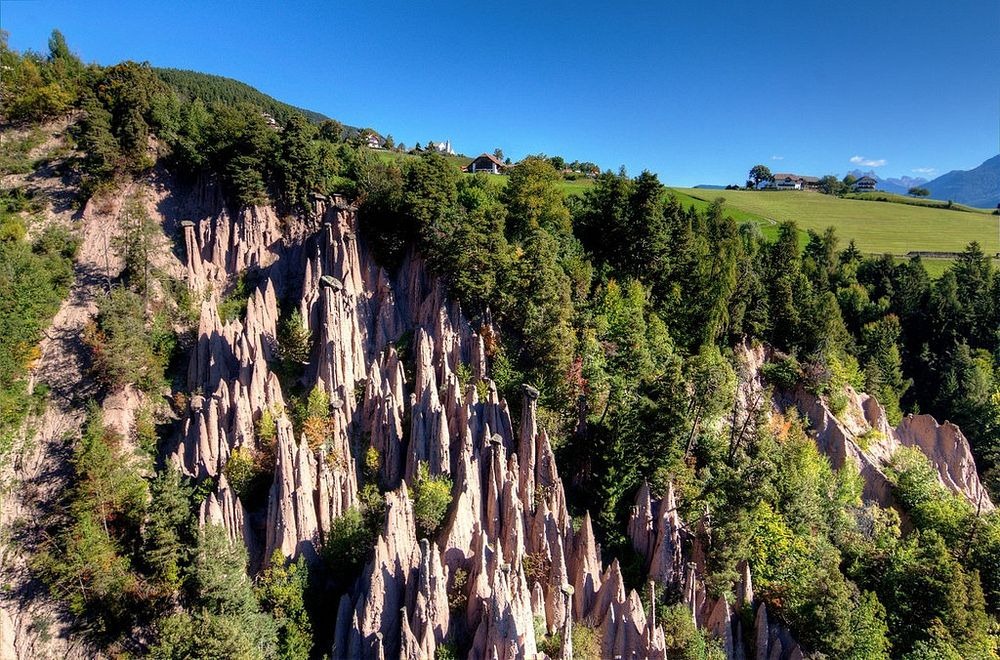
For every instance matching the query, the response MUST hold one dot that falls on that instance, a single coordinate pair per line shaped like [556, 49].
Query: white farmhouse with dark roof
[784, 181]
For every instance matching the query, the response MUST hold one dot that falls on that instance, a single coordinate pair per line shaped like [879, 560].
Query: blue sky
[694, 92]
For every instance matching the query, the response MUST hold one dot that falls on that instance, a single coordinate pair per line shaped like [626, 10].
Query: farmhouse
[865, 184]
[795, 182]
[485, 163]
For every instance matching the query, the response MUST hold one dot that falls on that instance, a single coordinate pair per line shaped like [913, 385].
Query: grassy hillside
[876, 227]
[880, 196]
[575, 186]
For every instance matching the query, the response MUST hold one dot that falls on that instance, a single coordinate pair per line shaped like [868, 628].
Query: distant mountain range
[976, 187]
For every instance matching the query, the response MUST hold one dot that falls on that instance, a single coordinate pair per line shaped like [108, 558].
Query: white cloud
[777, 158]
[868, 162]
[924, 170]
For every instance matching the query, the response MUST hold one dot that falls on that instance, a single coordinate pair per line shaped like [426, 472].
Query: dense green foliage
[88, 561]
[127, 551]
[524, 272]
[211, 89]
[34, 277]
[131, 115]
[225, 619]
[36, 87]
[128, 345]
[348, 543]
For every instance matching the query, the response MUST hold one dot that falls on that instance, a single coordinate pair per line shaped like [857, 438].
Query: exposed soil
[31, 625]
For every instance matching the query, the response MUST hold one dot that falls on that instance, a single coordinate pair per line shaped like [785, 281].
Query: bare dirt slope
[31, 626]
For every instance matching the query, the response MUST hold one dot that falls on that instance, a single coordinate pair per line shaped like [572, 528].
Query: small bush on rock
[431, 497]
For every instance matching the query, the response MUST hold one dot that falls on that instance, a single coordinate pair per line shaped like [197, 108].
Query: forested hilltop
[322, 394]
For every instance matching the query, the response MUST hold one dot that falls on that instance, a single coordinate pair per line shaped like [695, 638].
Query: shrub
[372, 507]
[294, 340]
[144, 430]
[457, 598]
[348, 543]
[782, 371]
[266, 429]
[682, 636]
[245, 474]
[914, 478]
[837, 401]
[446, 651]
[15, 158]
[125, 348]
[868, 438]
[550, 645]
[505, 375]
[431, 498]
[234, 305]
[536, 568]
[371, 465]
[316, 425]
[482, 390]
[586, 641]
[464, 374]
[33, 279]
[281, 592]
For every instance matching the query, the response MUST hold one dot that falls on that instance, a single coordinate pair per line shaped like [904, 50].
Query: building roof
[781, 176]
[489, 157]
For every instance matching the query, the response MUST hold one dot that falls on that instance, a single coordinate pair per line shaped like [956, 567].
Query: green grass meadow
[879, 196]
[877, 227]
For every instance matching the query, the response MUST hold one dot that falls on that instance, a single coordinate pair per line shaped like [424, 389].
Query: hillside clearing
[876, 227]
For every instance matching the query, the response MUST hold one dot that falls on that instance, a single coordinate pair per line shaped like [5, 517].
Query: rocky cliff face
[508, 561]
[862, 434]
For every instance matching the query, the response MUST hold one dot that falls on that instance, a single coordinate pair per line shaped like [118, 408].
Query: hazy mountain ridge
[899, 185]
[979, 186]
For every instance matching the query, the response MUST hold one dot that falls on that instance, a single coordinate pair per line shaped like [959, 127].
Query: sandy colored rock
[949, 452]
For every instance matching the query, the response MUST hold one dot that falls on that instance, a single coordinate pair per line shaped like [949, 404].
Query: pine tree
[167, 528]
[281, 591]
